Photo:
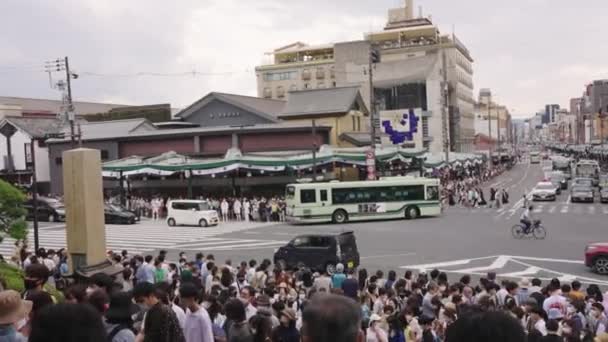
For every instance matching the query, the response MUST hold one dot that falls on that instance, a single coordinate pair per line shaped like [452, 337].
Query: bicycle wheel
[539, 233]
[517, 231]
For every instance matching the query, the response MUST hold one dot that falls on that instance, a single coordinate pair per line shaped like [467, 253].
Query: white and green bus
[340, 202]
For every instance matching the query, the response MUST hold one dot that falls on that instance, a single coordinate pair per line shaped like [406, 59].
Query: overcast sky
[530, 52]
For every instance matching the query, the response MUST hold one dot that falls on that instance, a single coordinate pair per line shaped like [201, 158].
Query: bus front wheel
[340, 216]
[412, 213]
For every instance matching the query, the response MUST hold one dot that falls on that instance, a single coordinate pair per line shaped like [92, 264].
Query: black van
[319, 252]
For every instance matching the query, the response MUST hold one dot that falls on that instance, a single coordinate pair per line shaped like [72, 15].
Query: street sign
[370, 161]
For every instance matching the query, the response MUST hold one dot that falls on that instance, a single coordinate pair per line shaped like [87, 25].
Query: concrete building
[550, 113]
[499, 116]
[18, 133]
[340, 108]
[409, 75]
[30, 107]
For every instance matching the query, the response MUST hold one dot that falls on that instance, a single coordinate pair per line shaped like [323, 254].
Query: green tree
[12, 213]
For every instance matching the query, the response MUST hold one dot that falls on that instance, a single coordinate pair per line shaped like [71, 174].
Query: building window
[358, 124]
[332, 72]
[354, 123]
[306, 86]
[280, 92]
[333, 84]
[58, 161]
[320, 73]
[104, 155]
[306, 74]
[280, 76]
[267, 93]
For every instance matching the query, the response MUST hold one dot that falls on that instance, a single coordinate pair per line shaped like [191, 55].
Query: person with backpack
[119, 324]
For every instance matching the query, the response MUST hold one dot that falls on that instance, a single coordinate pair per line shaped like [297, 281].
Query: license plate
[350, 264]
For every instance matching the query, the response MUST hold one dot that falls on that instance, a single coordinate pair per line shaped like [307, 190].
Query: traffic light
[375, 55]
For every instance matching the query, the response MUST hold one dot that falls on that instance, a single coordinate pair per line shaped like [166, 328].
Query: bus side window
[323, 195]
[308, 196]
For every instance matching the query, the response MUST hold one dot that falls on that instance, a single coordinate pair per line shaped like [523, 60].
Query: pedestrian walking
[224, 210]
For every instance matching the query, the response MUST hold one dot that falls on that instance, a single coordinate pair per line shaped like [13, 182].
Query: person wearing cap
[198, 327]
[286, 331]
[374, 332]
[35, 277]
[264, 309]
[338, 278]
[13, 311]
[118, 318]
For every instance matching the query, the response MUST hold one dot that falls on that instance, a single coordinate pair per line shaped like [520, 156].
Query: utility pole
[68, 77]
[490, 131]
[62, 64]
[444, 108]
[34, 194]
[314, 151]
[374, 57]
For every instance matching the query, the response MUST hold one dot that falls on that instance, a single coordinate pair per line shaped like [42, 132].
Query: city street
[461, 241]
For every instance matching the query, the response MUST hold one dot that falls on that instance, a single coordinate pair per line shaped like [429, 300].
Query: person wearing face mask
[35, 277]
[159, 323]
[286, 331]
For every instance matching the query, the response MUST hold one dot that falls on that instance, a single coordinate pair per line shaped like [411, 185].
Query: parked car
[117, 215]
[49, 210]
[596, 257]
[582, 193]
[604, 195]
[191, 213]
[320, 252]
[544, 191]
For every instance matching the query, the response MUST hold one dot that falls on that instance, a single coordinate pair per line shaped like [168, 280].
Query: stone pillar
[83, 195]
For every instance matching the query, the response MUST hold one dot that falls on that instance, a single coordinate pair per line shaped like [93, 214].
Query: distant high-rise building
[550, 113]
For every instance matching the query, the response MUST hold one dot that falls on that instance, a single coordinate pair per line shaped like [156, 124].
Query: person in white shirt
[374, 332]
[247, 295]
[539, 322]
[555, 301]
[246, 210]
[224, 210]
[236, 207]
[197, 327]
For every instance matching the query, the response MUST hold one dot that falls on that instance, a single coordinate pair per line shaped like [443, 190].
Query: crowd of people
[201, 299]
[258, 209]
[463, 186]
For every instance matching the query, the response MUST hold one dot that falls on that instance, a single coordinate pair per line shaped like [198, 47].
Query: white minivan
[191, 213]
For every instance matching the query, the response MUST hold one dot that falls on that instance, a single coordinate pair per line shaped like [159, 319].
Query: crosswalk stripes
[147, 237]
[547, 208]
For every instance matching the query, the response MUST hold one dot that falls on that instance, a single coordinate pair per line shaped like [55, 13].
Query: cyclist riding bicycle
[526, 219]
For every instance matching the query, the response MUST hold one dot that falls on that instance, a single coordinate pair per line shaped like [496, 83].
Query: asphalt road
[461, 241]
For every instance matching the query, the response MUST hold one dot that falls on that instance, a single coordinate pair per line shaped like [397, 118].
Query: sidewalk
[240, 225]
